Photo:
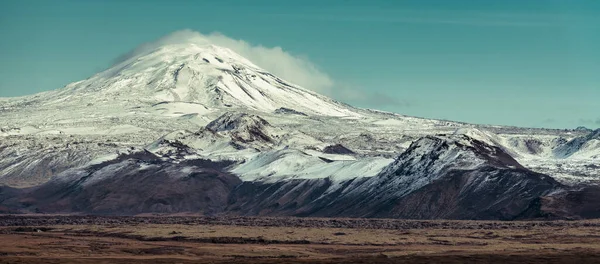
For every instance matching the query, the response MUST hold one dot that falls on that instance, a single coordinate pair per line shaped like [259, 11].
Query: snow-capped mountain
[185, 117]
[205, 76]
[581, 146]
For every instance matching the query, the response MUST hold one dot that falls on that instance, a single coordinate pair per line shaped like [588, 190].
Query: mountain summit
[212, 76]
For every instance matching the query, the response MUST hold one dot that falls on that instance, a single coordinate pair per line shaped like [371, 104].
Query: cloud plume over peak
[290, 67]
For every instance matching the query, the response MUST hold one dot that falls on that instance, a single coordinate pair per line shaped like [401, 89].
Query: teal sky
[507, 62]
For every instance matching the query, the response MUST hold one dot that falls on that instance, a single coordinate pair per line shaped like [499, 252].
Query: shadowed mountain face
[568, 204]
[485, 193]
[134, 184]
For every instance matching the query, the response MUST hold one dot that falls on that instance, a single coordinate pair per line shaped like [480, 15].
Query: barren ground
[185, 239]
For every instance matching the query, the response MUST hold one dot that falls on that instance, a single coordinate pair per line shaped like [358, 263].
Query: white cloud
[287, 66]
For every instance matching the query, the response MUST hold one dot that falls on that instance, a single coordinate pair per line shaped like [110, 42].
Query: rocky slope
[436, 178]
[132, 184]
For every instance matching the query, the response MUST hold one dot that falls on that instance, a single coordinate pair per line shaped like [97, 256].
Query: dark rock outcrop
[337, 149]
[288, 111]
[243, 128]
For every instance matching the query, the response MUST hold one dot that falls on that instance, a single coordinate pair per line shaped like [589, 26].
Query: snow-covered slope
[582, 147]
[289, 164]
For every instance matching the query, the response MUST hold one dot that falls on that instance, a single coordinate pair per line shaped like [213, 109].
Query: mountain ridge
[206, 115]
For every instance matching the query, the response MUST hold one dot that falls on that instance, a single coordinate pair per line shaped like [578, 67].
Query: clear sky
[532, 63]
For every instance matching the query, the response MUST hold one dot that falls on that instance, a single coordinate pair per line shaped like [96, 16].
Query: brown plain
[444, 242]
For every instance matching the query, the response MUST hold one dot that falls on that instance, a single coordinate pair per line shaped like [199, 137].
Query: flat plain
[194, 239]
